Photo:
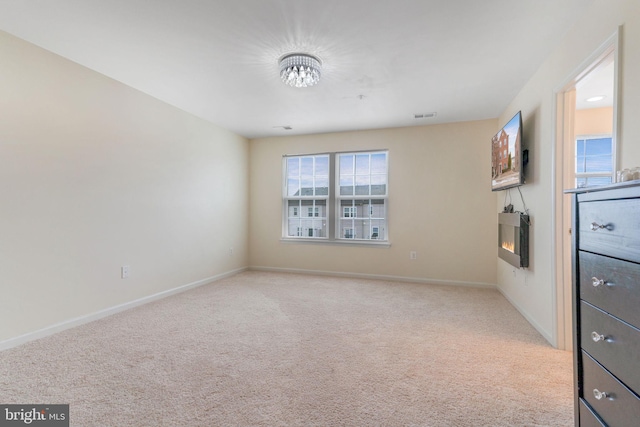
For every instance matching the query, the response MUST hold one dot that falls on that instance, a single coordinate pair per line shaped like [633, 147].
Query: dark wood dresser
[606, 305]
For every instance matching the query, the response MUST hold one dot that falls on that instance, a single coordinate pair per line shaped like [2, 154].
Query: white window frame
[333, 212]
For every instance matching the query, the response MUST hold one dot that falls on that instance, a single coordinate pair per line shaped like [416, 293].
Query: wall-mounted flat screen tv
[506, 155]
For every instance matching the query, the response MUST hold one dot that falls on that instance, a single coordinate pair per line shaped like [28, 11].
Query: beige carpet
[267, 349]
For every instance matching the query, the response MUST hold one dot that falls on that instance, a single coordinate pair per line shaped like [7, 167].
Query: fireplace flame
[509, 246]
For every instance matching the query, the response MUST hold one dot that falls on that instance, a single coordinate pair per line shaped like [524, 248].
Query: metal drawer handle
[597, 337]
[597, 282]
[595, 226]
[599, 394]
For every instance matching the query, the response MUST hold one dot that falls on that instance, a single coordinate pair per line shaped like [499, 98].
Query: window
[350, 186]
[362, 193]
[306, 190]
[594, 161]
[349, 212]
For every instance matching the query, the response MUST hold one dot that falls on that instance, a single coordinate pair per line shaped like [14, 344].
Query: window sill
[369, 243]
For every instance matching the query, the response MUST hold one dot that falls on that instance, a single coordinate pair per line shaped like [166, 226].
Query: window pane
[598, 146]
[319, 228]
[378, 229]
[378, 185]
[362, 185]
[308, 176]
[306, 205]
[320, 209]
[293, 207]
[306, 186]
[293, 229]
[580, 164]
[293, 221]
[322, 166]
[599, 164]
[379, 163]
[308, 226]
[361, 229]
[346, 185]
[347, 209]
[322, 186]
[365, 181]
[346, 229]
[377, 208]
[293, 167]
[293, 187]
[306, 166]
[362, 164]
[346, 164]
[362, 219]
[580, 147]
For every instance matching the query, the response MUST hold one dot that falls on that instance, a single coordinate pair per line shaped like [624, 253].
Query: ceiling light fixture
[596, 98]
[300, 69]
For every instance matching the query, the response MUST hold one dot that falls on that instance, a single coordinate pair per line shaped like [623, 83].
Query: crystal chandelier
[300, 69]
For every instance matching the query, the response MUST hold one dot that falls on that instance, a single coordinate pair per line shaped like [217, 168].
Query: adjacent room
[276, 212]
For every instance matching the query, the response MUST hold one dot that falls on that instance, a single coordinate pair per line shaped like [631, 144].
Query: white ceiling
[384, 61]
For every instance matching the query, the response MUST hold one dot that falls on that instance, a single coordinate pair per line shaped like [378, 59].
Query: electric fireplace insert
[513, 238]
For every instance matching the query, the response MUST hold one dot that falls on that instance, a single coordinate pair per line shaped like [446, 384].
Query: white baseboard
[545, 334]
[376, 277]
[71, 323]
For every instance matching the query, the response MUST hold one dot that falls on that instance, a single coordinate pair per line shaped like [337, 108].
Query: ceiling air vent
[425, 115]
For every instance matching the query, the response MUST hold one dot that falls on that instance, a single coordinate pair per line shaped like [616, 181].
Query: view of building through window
[353, 186]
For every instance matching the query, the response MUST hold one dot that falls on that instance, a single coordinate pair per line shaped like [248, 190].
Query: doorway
[585, 155]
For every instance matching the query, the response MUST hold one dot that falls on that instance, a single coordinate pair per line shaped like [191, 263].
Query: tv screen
[506, 155]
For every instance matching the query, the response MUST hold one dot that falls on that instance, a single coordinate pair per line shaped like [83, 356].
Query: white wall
[594, 121]
[533, 290]
[95, 175]
[440, 205]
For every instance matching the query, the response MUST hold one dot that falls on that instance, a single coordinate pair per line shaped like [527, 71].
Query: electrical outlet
[125, 271]
[413, 255]
[231, 251]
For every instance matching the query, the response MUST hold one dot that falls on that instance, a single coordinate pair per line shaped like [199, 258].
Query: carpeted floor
[269, 349]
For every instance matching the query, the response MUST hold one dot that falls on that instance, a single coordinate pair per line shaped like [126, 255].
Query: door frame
[562, 165]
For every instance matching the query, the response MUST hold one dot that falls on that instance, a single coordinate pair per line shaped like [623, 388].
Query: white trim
[341, 242]
[376, 277]
[71, 323]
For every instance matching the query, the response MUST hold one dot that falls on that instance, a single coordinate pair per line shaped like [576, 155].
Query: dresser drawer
[610, 399]
[611, 228]
[611, 285]
[618, 351]
[588, 418]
